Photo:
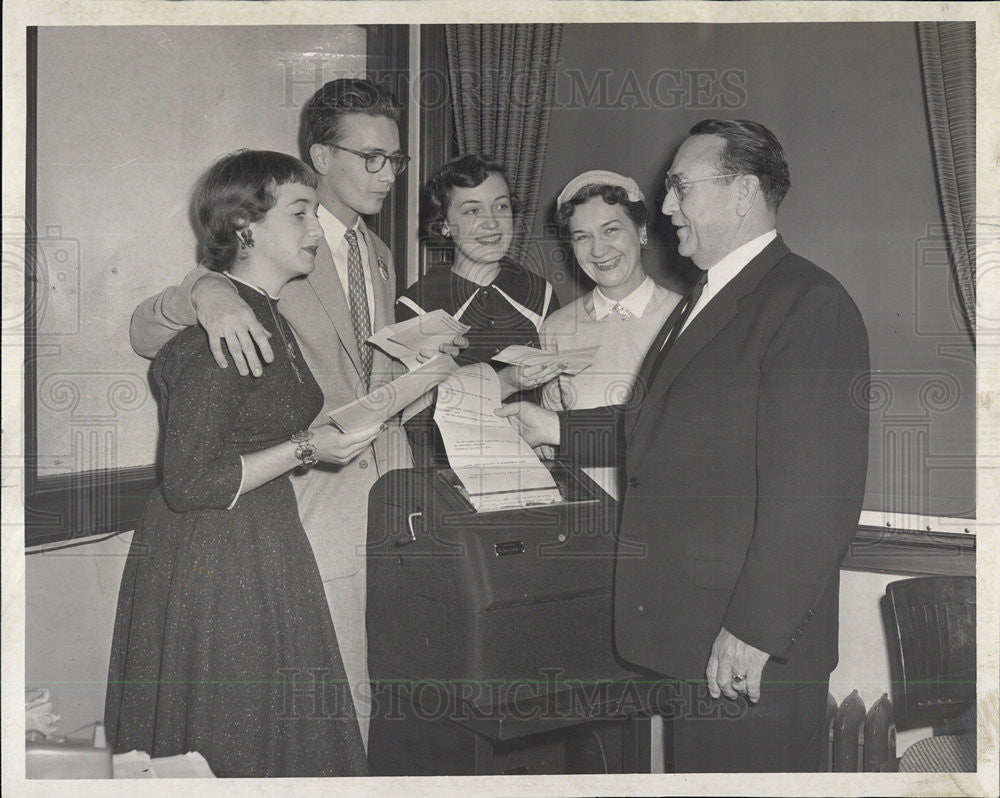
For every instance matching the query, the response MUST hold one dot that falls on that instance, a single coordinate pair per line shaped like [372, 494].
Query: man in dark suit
[745, 452]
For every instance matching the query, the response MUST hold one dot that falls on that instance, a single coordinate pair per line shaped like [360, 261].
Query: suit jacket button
[633, 482]
[363, 464]
[811, 613]
[642, 607]
[795, 637]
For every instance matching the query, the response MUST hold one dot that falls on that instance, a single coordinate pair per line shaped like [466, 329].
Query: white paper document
[575, 360]
[139, 765]
[388, 400]
[404, 340]
[497, 467]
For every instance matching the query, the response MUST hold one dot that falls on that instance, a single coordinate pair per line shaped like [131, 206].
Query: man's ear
[748, 189]
[318, 154]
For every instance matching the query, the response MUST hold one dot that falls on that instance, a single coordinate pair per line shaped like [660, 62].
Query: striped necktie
[359, 304]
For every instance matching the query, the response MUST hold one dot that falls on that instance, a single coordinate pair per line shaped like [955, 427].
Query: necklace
[289, 349]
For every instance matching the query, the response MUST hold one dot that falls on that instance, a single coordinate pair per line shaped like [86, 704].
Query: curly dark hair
[326, 109]
[240, 188]
[751, 149]
[468, 171]
[612, 195]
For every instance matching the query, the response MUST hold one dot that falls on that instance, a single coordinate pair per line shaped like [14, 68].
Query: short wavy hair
[468, 171]
[326, 109]
[751, 149]
[636, 210]
[237, 189]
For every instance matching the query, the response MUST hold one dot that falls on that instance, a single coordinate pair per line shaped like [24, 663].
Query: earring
[642, 240]
[445, 231]
[246, 238]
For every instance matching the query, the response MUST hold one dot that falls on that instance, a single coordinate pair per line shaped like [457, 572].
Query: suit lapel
[326, 284]
[719, 311]
[382, 287]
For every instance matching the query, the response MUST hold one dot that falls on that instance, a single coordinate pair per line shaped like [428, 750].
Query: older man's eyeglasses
[683, 185]
[374, 161]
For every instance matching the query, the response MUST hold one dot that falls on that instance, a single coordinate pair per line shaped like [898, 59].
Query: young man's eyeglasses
[681, 185]
[374, 161]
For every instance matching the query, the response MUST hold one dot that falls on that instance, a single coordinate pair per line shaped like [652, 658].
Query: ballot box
[490, 634]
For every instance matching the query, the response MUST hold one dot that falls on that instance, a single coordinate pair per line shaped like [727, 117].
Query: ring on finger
[739, 677]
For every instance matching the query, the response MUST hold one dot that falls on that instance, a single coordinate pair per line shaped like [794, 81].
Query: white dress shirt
[334, 230]
[726, 269]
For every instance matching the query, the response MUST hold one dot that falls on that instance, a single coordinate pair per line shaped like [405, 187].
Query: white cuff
[239, 491]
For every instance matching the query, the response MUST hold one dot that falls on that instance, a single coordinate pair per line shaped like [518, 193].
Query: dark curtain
[948, 64]
[502, 88]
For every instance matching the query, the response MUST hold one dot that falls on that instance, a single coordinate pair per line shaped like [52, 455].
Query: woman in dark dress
[223, 642]
[468, 203]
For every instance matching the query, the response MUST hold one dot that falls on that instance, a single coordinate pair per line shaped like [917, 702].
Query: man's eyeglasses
[681, 186]
[374, 161]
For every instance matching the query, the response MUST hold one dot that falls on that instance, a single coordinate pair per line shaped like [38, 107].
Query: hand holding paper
[405, 339]
[573, 361]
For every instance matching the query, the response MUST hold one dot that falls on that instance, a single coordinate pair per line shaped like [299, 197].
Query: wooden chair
[931, 628]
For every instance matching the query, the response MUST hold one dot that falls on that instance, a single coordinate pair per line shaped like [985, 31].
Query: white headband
[598, 177]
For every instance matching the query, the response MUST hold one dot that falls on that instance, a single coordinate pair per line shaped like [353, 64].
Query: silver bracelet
[305, 450]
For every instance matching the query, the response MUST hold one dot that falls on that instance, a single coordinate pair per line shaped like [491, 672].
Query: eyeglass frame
[398, 157]
[674, 183]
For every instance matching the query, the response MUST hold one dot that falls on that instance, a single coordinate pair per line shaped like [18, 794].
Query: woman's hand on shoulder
[339, 448]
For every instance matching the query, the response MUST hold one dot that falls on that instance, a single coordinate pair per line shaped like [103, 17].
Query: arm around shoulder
[159, 318]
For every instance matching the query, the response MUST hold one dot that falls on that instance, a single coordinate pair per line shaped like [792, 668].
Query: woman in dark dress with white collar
[223, 642]
[469, 204]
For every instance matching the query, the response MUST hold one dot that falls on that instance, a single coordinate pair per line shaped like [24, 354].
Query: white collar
[256, 288]
[635, 303]
[334, 229]
[731, 265]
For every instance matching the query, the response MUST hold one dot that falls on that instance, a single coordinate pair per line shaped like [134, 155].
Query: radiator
[861, 741]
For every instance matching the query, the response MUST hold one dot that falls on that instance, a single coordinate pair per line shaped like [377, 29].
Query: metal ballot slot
[508, 595]
[489, 634]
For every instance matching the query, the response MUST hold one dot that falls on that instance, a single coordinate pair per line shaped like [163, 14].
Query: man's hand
[514, 378]
[225, 316]
[533, 423]
[334, 446]
[731, 657]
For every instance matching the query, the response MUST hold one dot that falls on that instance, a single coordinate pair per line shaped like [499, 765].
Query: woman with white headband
[468, 203]
[604, 214]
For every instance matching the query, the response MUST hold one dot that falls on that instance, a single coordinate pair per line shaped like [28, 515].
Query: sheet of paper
[138, 765]
[132, 765]
[576, 360]
[496, 466]
[388, 400]
[191, 765]
[404, 340]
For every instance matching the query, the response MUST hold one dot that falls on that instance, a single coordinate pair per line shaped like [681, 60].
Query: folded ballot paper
[388, 400]
[405, 339]
[498, 469]
[574, 360]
